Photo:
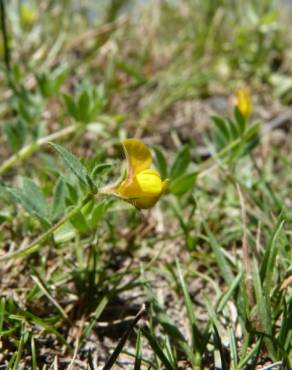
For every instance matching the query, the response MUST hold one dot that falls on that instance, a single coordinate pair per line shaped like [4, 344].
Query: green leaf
[220, 257]
[25, 111]
[64, 233]
[59, 77]
[224, 298]
[253, 353]
[234, 130]
[5, 193]
[84, 107]
[35, 196]
[172, 330]
[263, 308]
[222, 127]
[99, 171]
[181, 162]
[239, 119]
[95, 316]
[59, 200]
[50, 83]
[285, 333]
[183, 183]
[98, 212]
[32, 199]
[268, 264]
[79, 222]
[233, 348]
[220, 141]
[16, 133]
[73, 195]
[71, 106]
[234, 136]
[252, 131]
[72, 162]
[160, 161]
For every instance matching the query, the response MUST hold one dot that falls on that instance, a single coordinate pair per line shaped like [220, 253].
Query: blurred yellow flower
[143, 185]
[244, 102]
[28, 15]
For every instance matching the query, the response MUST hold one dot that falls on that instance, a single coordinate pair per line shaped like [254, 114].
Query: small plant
[236, 137]
[143, 187]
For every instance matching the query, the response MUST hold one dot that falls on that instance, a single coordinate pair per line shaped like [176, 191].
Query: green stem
[36, 244]
[31, 148]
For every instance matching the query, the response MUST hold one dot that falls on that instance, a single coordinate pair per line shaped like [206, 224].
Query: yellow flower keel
[144, 189]
[143, 186]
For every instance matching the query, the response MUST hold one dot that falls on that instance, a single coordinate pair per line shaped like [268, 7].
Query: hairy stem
[37, 243]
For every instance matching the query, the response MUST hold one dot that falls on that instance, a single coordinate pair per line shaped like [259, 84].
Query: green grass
[202, 280]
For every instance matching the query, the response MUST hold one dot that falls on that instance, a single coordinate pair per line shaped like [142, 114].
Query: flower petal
[138, 156]
[143, 185]
[149, 182]
[143, 190]
[146, 202]
[146, 183]
[244, 102]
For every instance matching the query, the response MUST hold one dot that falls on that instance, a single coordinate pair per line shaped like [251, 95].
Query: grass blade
[263, 310]
[138, 352]
[98, 311]
[157, 349]
[196, 335]
[33, 354]
[220, 258]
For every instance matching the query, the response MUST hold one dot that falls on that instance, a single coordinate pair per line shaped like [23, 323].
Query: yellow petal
[145, 183]
[143, 190]
[244, 102]
[143, 186]
[138, 156]
[149, 182]
[145, 203]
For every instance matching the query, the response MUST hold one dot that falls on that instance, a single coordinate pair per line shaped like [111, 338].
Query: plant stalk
[36, 244]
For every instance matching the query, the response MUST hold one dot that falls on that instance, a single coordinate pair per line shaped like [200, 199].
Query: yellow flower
[28, 16]
[243, 102]
[143, 185]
